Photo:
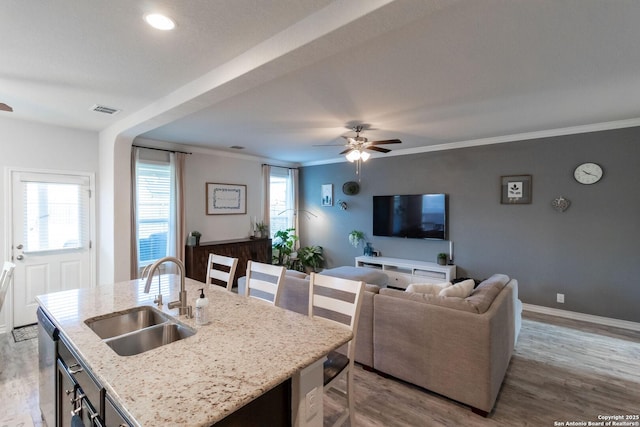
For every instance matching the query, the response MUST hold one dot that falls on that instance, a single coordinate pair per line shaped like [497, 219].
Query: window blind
[153, 209]
[56, 214]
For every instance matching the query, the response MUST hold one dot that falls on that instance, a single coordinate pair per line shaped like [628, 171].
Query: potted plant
[355, 237]
[263, 229]
[442, 258]
[283, 242]
[310, 259]
[196, 238]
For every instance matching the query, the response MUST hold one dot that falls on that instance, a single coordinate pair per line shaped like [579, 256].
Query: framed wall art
[327, 195]
[226, 199]
[515, 189]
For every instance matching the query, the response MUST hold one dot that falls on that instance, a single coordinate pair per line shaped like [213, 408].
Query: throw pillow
[427, 288]
[460, 290]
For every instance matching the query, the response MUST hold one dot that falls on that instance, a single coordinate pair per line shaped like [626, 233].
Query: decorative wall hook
[561, 203]
[343, 205]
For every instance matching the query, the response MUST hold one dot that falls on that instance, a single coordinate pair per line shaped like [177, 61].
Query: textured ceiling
[280, 78]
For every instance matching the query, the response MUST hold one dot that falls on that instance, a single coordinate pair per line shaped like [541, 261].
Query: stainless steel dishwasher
[47, 354]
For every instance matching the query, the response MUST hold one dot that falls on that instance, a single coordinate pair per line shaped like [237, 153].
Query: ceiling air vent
[237, 147]
[104, 109]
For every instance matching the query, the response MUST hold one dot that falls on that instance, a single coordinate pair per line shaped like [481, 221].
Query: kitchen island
[248, 348]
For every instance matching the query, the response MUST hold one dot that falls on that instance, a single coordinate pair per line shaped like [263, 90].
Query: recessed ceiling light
[160, 22]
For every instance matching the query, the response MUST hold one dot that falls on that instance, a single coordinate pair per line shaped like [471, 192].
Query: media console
[402, 272]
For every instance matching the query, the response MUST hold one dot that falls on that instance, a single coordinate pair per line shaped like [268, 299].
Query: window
[281, 193]
[153, 209]
[55, 215]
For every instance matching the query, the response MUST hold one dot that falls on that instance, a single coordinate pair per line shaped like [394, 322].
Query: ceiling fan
[357, 145]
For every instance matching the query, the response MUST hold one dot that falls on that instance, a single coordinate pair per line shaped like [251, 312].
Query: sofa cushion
[482, 297]
[295, 273]
[460, 290]
[367, 275]
[449, 302]
[427, 288]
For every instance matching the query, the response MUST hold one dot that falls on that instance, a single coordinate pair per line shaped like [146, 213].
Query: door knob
[19, 246]
[19, 257]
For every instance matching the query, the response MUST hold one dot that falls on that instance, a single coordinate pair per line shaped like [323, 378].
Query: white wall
[31, 145]
[222, 169]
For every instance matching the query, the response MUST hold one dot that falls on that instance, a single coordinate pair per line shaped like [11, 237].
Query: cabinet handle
[74, 369]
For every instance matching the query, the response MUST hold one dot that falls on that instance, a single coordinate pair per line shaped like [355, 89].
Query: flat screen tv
[417, 216]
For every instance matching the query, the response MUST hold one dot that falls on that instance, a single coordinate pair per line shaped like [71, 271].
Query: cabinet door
[112, 417]
[66, 394]
[398, 280]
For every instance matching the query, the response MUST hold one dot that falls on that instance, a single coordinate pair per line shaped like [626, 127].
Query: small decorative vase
[442, 261]
[368, 250]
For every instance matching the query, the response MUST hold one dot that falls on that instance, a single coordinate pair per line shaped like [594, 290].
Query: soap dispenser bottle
[201, 309]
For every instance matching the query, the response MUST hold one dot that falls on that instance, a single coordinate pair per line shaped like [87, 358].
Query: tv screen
[418, 216]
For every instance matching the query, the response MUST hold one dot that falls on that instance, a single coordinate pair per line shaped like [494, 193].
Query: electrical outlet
[312, 403]
[560, 298]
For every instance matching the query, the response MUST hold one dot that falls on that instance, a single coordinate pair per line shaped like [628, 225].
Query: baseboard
[606, 321]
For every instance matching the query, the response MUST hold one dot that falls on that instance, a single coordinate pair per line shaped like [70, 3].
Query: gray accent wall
[590, 253]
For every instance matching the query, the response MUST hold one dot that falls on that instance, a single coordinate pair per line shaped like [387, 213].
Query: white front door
[51, 232]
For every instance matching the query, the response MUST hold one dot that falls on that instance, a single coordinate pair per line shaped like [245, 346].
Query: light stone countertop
[247, 348]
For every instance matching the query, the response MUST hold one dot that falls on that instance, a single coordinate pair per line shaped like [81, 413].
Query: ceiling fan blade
[386, 141]
[379, 149]
[348, 150]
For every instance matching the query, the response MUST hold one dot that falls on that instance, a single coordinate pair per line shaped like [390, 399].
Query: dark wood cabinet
[196, 257]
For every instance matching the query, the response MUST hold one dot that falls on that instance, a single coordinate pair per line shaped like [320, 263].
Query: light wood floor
[562, 371]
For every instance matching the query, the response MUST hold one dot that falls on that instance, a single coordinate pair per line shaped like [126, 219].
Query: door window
[55, 216]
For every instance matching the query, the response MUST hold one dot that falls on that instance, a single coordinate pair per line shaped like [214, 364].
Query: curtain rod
[277, 166]
[161, 149]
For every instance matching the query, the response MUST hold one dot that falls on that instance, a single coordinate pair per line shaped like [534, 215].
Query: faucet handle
[189, 313]
[158, 300]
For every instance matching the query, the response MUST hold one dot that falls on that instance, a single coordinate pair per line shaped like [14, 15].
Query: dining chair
[223, 275]
[264, 281]
[5, 279]
[338, 300]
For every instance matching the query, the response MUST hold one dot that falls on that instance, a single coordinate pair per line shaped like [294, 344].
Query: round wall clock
[588, 173]
[350, 188]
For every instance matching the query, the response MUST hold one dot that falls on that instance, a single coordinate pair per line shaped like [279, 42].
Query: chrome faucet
[181, 304]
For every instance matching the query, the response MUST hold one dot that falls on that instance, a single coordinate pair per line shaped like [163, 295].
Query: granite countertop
[247, 348]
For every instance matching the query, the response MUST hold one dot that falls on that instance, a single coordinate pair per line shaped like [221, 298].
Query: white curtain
[181, 227]
[134, 268]
[266, 196]
[292, 196]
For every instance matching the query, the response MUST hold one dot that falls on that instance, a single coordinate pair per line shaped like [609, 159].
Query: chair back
[338, 300]
[5, 279]
[264, 281]
[220, 274]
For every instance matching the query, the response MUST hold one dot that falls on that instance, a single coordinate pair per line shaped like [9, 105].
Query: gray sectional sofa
[457, 347]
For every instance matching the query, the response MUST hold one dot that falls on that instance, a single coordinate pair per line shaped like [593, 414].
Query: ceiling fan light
[364, 156]
[353, 155]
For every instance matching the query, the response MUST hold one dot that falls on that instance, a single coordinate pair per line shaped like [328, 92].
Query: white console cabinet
[402, 272]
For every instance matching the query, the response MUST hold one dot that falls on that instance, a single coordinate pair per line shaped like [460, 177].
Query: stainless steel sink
[137, 330]
[126, 321]
[149, 338]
